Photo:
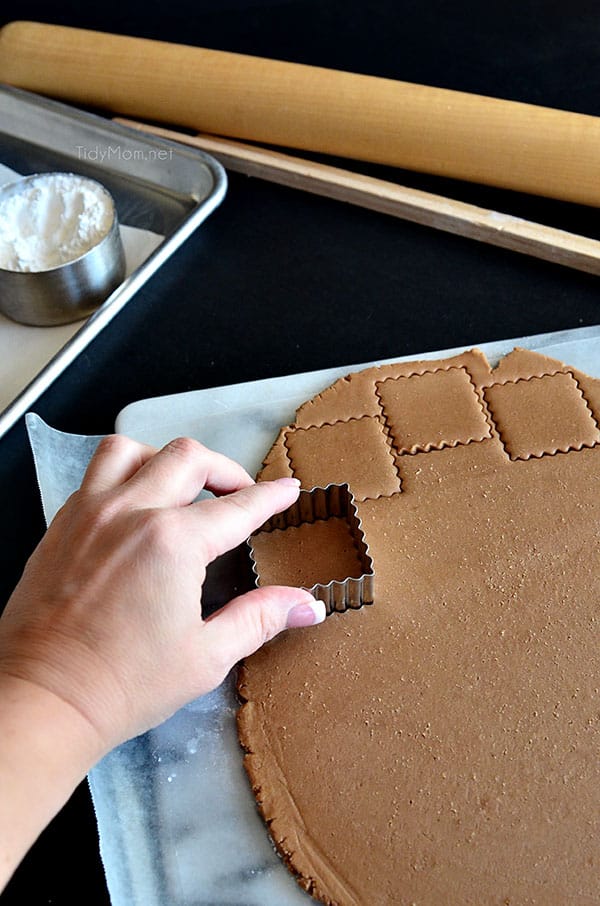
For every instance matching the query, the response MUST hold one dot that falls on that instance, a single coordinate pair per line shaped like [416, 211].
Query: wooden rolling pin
[449, 133]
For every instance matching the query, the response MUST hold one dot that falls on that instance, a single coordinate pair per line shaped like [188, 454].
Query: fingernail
[294, 482]
[308, 613]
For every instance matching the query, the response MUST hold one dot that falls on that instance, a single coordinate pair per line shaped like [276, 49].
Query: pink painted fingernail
[308, 613]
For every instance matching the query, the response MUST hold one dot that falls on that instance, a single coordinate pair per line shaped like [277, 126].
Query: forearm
[46, 749]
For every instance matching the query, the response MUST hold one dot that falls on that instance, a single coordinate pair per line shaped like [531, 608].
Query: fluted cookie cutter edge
[312, 505]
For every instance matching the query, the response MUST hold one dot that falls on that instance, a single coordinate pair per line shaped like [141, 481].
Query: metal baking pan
[157, 185]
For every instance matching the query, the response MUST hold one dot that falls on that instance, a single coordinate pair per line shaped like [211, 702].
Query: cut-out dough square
[432, 410]
[356, 452]
[307, 554]
[541, 416]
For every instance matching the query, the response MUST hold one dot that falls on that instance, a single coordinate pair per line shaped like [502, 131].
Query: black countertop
[277, 281]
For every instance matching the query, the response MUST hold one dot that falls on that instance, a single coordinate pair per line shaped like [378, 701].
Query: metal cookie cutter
[335, 500]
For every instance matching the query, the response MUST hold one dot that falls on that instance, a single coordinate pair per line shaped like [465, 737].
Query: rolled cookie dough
[443, 745]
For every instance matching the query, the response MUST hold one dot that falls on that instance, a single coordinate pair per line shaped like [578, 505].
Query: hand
[107, 616]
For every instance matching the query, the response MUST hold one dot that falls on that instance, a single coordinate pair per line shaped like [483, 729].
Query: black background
[277, 281]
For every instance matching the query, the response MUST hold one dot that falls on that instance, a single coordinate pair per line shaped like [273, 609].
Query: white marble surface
[177, 820]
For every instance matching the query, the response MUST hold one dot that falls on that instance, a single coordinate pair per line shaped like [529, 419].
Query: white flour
[54, 219]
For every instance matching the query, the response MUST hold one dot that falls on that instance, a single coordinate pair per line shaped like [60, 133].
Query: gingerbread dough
[443, 745]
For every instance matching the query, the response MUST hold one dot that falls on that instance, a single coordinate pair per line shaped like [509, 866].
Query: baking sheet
[162, 192]
[177, 820]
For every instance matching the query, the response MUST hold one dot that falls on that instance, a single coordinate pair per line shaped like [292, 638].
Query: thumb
[252, 619]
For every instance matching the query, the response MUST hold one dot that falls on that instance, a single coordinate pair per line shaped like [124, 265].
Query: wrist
[47, 749]
[55, 728]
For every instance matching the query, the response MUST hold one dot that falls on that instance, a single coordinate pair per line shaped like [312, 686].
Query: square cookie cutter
[335, 500]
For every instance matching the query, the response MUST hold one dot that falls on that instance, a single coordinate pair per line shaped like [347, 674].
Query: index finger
[116, 460]
[180, 470]
[225, 522]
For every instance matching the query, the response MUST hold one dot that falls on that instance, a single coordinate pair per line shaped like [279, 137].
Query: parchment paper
[177, 820]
